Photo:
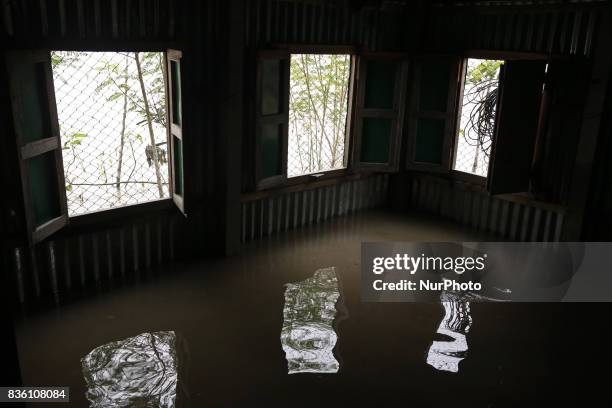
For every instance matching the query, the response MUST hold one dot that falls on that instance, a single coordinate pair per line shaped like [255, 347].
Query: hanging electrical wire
[480, 125]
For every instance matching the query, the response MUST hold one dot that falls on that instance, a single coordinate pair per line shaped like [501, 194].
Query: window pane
[42, 175]
[318, 105]
[270, 83]
[375, 139]
[380, 84]
[429, 140]
[433, 95]
[112, 157]
[271, 149]
[178, 165]
[478, 115]
[177, 109]
[36, 123]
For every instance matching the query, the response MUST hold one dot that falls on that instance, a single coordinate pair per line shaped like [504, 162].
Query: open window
[325, 110]
[432, 113]
[477, 115]
[379, 113]
[93, 132]
[498, 121]
[319, 94]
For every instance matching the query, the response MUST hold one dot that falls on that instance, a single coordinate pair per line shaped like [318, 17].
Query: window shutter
[272, 118]
[175, 127]
[521, 85]
[379, 112]
[433, 102]
[38, 142]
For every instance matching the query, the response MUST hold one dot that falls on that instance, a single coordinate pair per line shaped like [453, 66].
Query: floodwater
[282, 324]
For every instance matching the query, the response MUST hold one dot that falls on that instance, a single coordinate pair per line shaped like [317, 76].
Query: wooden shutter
[175, 127]
[521, 84]
[38, 142]
[379, 112]
[272, 118]
[433, 111]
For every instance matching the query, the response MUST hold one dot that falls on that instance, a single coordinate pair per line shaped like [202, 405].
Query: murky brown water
[232, 322]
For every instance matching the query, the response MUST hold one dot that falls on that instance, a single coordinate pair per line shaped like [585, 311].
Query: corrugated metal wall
[504, 217]
[102, 258]
[96, 19]
[391, 26]
[289, 210]
[552, 29]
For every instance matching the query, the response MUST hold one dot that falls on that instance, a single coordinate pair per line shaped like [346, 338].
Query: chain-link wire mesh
[318, 105]
[477, 121]
[114, 144]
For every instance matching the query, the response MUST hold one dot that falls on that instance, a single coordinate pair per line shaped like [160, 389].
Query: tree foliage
[485, 70]
[117, 87]
[317, 111]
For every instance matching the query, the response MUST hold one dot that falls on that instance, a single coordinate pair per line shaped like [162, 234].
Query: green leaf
[115, 96]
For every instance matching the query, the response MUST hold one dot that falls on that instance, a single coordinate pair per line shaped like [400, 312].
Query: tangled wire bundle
[481, 120]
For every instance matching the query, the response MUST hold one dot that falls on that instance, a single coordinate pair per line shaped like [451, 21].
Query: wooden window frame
[282, 180]
[281, 118]
[29, 150]
[396, 114]
[449, 116]
[351, 162]
[36, 234]
[490, 55]
[174, 130]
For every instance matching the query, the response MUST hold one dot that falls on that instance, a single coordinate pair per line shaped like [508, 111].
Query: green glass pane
[380, 84]
[433, 95]
[178, 165]
[270, 86]
[36, 123]
[429, 141]
[375, 140]
[176, 92]
[44, 196]
[271, 150]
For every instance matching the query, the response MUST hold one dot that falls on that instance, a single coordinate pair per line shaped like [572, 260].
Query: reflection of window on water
[318, 105]
[445, 355]
[477, 120]
[308, 337]
[138, 371]
[114, 142]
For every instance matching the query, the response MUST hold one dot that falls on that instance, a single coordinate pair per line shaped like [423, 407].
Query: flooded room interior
[306, 203]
